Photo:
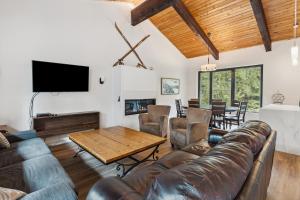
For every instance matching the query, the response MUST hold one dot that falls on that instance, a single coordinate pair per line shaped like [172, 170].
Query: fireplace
[137, 106]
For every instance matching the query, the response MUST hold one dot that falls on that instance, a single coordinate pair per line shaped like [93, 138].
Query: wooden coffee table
[116, 143]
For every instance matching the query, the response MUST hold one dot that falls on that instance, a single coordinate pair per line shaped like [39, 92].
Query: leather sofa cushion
[258, 126]
[249, 132]
[24, 150]
[112, 188]
[176, 158]
[218, 175]
[141, 178]
[255, 143]
[200, 148]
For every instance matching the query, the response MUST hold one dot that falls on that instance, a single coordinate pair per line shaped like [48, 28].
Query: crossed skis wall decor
[132, 50]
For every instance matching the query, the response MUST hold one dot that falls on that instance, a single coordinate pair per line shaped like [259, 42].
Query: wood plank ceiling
[231, 23]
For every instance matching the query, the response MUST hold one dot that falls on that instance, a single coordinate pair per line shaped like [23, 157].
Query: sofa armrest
[143, 118]
[197, 131]
[112, 188]
[164, 125]
[178, 123]
[60, 191]
[21, 135]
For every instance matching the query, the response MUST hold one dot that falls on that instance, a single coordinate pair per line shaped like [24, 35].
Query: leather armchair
[185, 131]
[156, 120]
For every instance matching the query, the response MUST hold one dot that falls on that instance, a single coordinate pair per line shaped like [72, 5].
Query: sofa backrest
[198, 115]
[218, 175]
[156, 111]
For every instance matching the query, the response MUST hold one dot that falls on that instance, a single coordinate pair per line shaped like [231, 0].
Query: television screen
[55, 77]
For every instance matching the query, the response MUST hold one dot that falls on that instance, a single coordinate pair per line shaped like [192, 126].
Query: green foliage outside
[247, 86]
[221, 86]
[204, 89]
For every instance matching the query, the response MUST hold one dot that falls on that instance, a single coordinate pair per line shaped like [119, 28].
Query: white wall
[79, 32]
[279, 74]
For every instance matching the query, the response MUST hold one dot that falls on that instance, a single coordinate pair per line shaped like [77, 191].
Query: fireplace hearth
[137, 106]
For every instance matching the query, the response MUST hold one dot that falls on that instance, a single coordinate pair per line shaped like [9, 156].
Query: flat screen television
[55, 77]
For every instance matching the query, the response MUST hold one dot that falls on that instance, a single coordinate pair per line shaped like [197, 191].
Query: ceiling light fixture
[295, 48]
[209, 66]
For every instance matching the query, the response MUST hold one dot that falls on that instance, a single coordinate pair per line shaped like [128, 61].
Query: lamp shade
[208, 67]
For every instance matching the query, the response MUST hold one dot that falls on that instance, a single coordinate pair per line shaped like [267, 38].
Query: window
[221, 86]
[204, 88]
[242, 83]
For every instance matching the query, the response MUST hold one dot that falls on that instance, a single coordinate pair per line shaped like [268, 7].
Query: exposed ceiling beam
[185, 14]
[151, 7]
[147, 9]
[260, 16]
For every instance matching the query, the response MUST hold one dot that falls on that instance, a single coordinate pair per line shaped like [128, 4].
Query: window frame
[233, 83]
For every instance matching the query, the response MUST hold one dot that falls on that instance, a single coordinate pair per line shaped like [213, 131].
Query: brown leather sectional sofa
[238, 168]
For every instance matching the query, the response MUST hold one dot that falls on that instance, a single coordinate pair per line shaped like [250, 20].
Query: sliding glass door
[242, 84]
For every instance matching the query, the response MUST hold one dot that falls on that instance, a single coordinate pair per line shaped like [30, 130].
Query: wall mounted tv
[55, 77]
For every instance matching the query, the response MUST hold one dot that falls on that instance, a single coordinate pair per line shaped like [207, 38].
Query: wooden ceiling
[231, 23]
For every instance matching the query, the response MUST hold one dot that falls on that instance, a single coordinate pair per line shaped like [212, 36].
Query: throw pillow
[10, 194]
[4, 143]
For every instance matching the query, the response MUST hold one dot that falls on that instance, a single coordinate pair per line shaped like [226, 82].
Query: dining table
[228, 109]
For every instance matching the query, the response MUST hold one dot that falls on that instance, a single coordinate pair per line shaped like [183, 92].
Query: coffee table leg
[78, 152]
[121, 166]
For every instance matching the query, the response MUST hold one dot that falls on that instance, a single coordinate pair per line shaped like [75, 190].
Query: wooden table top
[115, 143]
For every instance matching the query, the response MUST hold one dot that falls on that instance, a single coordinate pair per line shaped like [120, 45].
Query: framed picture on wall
[170, 86]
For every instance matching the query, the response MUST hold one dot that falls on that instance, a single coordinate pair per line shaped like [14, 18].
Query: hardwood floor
[285, 180]
[85, 170]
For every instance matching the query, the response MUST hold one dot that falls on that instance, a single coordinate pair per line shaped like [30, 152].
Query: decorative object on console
[170, 86]
[132, 49]
[278, 98]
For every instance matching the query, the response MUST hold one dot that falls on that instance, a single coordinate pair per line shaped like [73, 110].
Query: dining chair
[216, 100]
[238, 117]
[194, 103]
[218, 109]
[236, 103]
[181, 110]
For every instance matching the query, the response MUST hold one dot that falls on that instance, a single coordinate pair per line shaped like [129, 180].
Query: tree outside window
[243, 84]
